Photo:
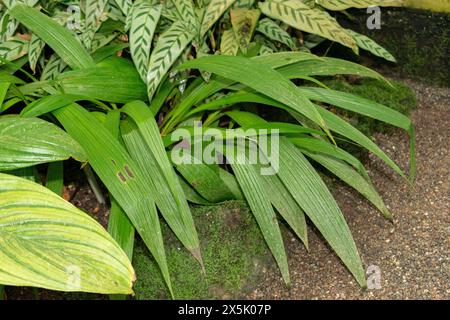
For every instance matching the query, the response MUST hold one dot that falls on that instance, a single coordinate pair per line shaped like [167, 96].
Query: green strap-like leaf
[257, 76]
[298, 15]
[25, 142]
[206, 180]
[326, 66]
[214, 11]
[368, 108]
[119, 225]
[350, 176]
[55, 177]
[146, 146]
[144, 21]
[114, 80]
[169, 47]
[46, 242]
[61, 40]
[311, 193]
[280, 197]
[120, 174]
[257, 196]
[368, 44]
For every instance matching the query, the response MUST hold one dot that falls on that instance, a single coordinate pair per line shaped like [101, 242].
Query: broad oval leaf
[47, 242]
[25, 142]
[113, 80]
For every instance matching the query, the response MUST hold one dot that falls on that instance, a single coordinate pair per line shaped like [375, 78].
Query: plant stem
[93, 183]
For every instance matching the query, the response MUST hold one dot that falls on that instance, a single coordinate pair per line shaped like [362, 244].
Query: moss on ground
[233, 251]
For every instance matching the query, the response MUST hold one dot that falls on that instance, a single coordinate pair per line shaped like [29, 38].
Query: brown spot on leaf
[122, 177]
[129, 172]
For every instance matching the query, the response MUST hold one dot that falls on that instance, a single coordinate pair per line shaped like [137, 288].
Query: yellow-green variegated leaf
[125, 6]
[338, 5]
[244, 4]
[145, 18]
[186, 10]
[298, 15]
[214, 11]
[229, 45]
[25, 142]
[13, 49]
[274, 32]
[169, 47]
[244, 23]
[368, 44]
[47, 242]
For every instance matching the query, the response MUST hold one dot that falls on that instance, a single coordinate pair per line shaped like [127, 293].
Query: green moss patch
[233, 251]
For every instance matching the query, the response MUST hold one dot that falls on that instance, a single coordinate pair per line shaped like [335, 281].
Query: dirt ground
[412, 254]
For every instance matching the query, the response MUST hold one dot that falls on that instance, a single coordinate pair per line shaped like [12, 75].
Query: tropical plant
[119, 78]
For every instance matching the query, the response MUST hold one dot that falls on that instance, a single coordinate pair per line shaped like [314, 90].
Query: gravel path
[412, 254]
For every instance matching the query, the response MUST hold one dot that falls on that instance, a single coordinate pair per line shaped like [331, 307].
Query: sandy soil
[412, 253]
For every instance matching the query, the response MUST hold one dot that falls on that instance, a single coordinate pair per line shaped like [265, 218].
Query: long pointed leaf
[57, 37]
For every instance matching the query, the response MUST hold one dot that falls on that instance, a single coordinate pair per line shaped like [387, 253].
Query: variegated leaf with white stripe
[273, 31]
[169, 47]
[11, 26]
[186, 11]
[13, 49]
[93, 12]
[368, 44]
[35, 48]
[229, 45]
[214, 11]
[145, 17]
[124, 5]
[298, 15]
[54, 67]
